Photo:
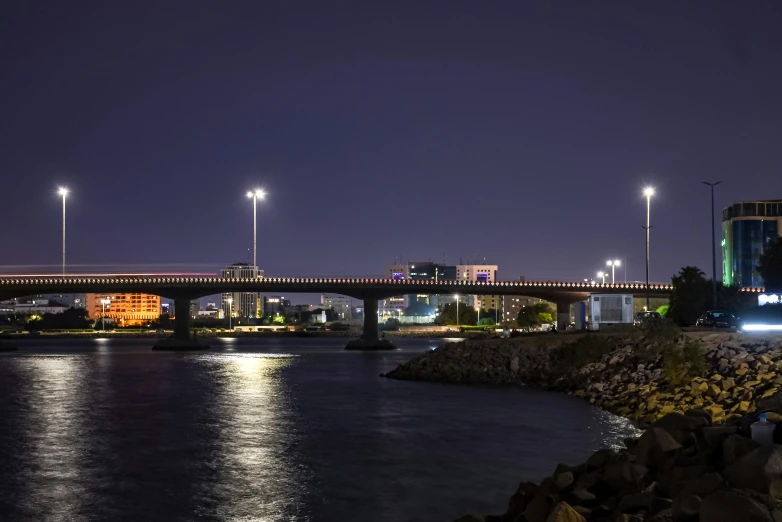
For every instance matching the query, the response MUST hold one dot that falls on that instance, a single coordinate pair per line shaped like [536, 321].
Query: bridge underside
[370, 291]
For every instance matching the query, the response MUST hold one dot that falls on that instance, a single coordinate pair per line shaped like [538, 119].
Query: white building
[341, 305]
[242, 305]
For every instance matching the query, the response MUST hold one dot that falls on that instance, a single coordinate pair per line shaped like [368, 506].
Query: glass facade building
[747, 229]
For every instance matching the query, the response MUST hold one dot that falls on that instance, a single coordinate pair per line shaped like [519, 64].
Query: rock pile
[742, 374]
[681, 469]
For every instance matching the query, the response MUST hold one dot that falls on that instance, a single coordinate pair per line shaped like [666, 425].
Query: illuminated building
[429, 271]
[125, 309]
[342, 306]
[244, 307]
[275, 305]
[748, 228]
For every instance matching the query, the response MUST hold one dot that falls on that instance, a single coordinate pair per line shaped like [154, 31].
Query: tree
[486, 321]
[691, 296]
[534, 315]
[419, 309]
[467, 315]
[770, 266]
[72, 318]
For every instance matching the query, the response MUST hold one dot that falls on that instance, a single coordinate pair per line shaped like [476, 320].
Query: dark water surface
[268, 430]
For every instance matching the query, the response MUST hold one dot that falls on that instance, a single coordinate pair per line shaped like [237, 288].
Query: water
[268, 430]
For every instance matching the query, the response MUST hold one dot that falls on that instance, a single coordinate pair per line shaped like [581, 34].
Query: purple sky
[522, 132]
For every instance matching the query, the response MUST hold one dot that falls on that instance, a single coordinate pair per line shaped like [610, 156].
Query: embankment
[642, 378]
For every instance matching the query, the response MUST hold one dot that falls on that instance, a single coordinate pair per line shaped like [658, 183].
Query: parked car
[645, 317]
[717, 319]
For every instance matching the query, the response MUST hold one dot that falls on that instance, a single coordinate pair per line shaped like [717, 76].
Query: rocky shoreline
[620, 374]
[694, 393]
[681, 469]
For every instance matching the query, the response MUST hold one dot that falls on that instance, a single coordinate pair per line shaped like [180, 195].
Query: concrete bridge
[182, 290]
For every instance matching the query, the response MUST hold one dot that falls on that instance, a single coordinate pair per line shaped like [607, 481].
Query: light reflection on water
[57, 404]
[285, 430]
[254, 471]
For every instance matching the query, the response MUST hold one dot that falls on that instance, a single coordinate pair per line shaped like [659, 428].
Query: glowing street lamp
[457, 309]
[648, 192]
[230, 301]
[255, 195]
[602, 275]
[613, 264]
[104, 302]
[62, 191]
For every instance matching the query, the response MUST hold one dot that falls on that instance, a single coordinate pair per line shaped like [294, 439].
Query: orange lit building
[125, 309]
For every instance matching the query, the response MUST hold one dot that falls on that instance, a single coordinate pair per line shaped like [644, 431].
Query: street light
[613, 263]
[457, 309]
[62, 191]
[648, 192]
[104, 302]
[255, 195]
[230, 301]
[603, 276]
[713, 247]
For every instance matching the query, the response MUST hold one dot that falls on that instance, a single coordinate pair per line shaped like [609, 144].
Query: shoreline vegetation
[694, 394]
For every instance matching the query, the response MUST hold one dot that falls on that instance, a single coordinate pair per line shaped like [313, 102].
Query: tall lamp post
[648, 192]
[602, 275]
[713, 247]
[230, 301]
[457, 309]
[62, 191]
[613, 263]
[255, 195]
[104, 302]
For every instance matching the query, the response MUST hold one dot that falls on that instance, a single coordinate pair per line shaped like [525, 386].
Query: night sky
[522, 132]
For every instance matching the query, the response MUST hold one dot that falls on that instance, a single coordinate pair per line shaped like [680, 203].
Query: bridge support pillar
[563, 316]
[181, 340]
[369, 339]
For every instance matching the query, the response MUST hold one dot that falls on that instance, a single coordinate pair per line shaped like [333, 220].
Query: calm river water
[268, 430]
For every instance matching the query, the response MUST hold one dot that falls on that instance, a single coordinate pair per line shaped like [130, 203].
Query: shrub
[659, 331]
[663, 310]
[587, 349]
[683, 362]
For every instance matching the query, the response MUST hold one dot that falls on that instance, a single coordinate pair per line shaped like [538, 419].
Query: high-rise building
[341, 305]
[274, 305]
[195, 307]
[66, 300]
[748, 228]
[125, 309]
[245, 307]
[430, 271]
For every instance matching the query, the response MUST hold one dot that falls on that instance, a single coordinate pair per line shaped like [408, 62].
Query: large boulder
[729, 506]
[749, 472]
[654, 446]
[685, 507]
[737, 446]
[680, 426]
[563, 512]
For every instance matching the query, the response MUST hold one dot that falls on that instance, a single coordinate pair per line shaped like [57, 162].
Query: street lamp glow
[602, 275]
[613, 263]
[648, 192]
[104, 302]
[62, 191]
[255, 195]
